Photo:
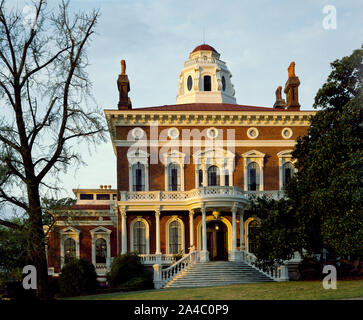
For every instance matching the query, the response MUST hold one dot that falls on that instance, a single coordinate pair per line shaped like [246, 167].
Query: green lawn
[294, 290]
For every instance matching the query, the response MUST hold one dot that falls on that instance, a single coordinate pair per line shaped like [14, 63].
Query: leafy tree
[323, 208]
[327, 191]
[44, 91]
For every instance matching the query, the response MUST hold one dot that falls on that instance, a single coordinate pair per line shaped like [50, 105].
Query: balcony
[199, 194]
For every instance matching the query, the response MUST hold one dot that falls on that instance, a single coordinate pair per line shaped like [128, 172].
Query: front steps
[217, 273]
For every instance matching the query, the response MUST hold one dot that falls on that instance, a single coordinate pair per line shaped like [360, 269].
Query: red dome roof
[204, 47]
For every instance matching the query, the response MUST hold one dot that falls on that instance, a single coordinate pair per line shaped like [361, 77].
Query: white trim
[69, 232]
[212, 218]
[147, 234]
[182, 230]
[290, 133]
[249, 157]
[134, 156]
[101, 233]
[203, 143]
[86, 223]
[246, 228]
[174, 156]
[257, 133]
[284, 157]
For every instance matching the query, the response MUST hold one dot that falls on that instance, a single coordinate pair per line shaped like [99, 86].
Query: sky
[257, 40]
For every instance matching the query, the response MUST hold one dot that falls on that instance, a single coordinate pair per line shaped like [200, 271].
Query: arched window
[252, 232]
[207, 83]
[69, 249]
[223, 83]
[139, 237]
[287, 172]
[253, 176]
[173, 177]
[138, 177]
[213, 176]
[175, 237]
[200, 178]
[101, 250]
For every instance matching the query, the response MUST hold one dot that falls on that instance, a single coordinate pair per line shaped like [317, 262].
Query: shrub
[127, 270]
[78, 276]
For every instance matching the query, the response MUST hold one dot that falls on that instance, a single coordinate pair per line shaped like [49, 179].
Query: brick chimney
[291, 89]
[123, 86]
[279, 103]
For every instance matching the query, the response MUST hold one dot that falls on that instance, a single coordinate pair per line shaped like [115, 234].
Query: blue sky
[257, 40]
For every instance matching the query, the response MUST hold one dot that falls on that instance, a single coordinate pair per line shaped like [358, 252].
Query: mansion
[186, 174]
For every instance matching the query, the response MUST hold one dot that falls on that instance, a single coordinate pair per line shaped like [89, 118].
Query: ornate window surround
[174, 156]
[97, 233]
[246, 228]
[182, 230]
[284, 157]
[253, 156]
[134, 156]
[147, 233]
[69, 232]
[221, 158]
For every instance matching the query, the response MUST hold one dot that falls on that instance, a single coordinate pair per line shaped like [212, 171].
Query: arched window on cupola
[207, 83]
[213, 176]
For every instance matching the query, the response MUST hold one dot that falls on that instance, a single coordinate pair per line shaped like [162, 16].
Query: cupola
[205, 78]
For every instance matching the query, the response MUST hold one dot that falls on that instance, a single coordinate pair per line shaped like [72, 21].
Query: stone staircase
[217, 273]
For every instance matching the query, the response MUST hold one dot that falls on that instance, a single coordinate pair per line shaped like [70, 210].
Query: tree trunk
[36, 241]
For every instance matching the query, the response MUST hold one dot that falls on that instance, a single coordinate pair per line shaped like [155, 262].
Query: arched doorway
[217, 240]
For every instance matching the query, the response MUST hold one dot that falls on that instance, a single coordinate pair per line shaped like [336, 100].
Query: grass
[293, 290]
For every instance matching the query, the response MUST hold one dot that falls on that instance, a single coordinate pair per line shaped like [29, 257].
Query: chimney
[291, 89]
[279, 103]
[123, 86]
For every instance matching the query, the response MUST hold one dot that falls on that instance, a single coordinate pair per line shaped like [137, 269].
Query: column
[191, 230]
[204, 255]
[234, 254]
[241, 231]
[157, 224]
[205, 176]
[123, 231]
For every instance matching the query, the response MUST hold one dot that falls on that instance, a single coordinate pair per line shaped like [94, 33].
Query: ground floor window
[175, 237]
[139, 237]
[101, 250]
[69, 250]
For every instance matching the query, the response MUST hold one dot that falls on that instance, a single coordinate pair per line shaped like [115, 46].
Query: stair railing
[163, 276]
[276, 273]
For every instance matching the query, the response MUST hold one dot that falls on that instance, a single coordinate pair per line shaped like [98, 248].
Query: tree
[44, 91]
[323, 208]
[327, 191]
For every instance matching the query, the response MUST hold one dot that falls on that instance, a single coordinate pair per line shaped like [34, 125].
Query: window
[190, 83]
[252, 232]
[287, 172]
[69, 250]
[175, 243]
[103, 196]
[253, 177]
[223, 83]
[86, 196]
[138, 170]
[173, 177]
[139, 234]
[213, 176]
[226, 179]
[101, 250]
[207, 83]
[200, 177]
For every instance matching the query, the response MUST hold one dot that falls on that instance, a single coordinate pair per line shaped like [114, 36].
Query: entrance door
[217, 240]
